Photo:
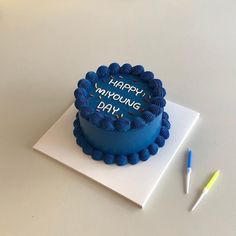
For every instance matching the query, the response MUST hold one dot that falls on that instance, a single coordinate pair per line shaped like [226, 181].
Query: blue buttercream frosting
[84, 83]
[165, 116]
[147, 76]
[97, 155]
[122, 124]
[114, 68]
[107, 123]
[153, 148]
[137, 123]
[155, 109]
[144, 154]
[160, 101]
[126, 69]
[137, 70]
[164, 132]
[81, 102]
[155, 83]
[121, 160]
[80, 92]
[133, 158]
[103, 71]
[86, 112]
[121, 116]
[91, 76]
[96, 118]
[87, 149]
[148, 116]
[109, 158]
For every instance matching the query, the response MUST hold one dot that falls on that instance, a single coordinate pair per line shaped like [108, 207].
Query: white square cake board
[134, 182]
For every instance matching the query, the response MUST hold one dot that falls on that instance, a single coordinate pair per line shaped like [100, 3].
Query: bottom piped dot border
[122, 160]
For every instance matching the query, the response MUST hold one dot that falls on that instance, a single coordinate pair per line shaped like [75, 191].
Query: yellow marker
[207, 188]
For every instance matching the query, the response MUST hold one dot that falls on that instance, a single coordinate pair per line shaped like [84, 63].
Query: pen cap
[212, 180]
[189, 162]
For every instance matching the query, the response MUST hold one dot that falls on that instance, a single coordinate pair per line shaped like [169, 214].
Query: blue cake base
[121, 160]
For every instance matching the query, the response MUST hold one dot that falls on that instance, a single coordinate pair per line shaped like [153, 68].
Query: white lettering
[110, 94]
[129, 103]
[120, 84]
[132, 89]
[136, 106]
[101, 105]
[120, 100]
[101, 91]
[138, 92]
[115, 110]
[113, 82]
[108, 107]
[116, 97]
[127, 86]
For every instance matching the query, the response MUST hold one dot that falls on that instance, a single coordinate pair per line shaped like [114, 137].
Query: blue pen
[189, 170]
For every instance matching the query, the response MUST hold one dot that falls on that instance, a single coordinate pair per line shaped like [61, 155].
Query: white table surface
[46, 46]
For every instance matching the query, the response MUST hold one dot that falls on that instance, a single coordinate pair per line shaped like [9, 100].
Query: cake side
[121, 143]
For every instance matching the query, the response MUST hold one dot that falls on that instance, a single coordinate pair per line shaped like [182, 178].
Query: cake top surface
[120, 97]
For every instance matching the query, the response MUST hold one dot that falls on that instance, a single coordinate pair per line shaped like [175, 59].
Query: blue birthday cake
[121, 117]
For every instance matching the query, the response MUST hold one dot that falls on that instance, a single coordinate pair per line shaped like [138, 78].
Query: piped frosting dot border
[122, 160]
[155, 108]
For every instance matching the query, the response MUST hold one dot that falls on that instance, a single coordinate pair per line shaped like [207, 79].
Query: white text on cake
[122, 86]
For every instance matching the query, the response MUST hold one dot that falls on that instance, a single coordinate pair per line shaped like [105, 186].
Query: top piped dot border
[82, 96]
